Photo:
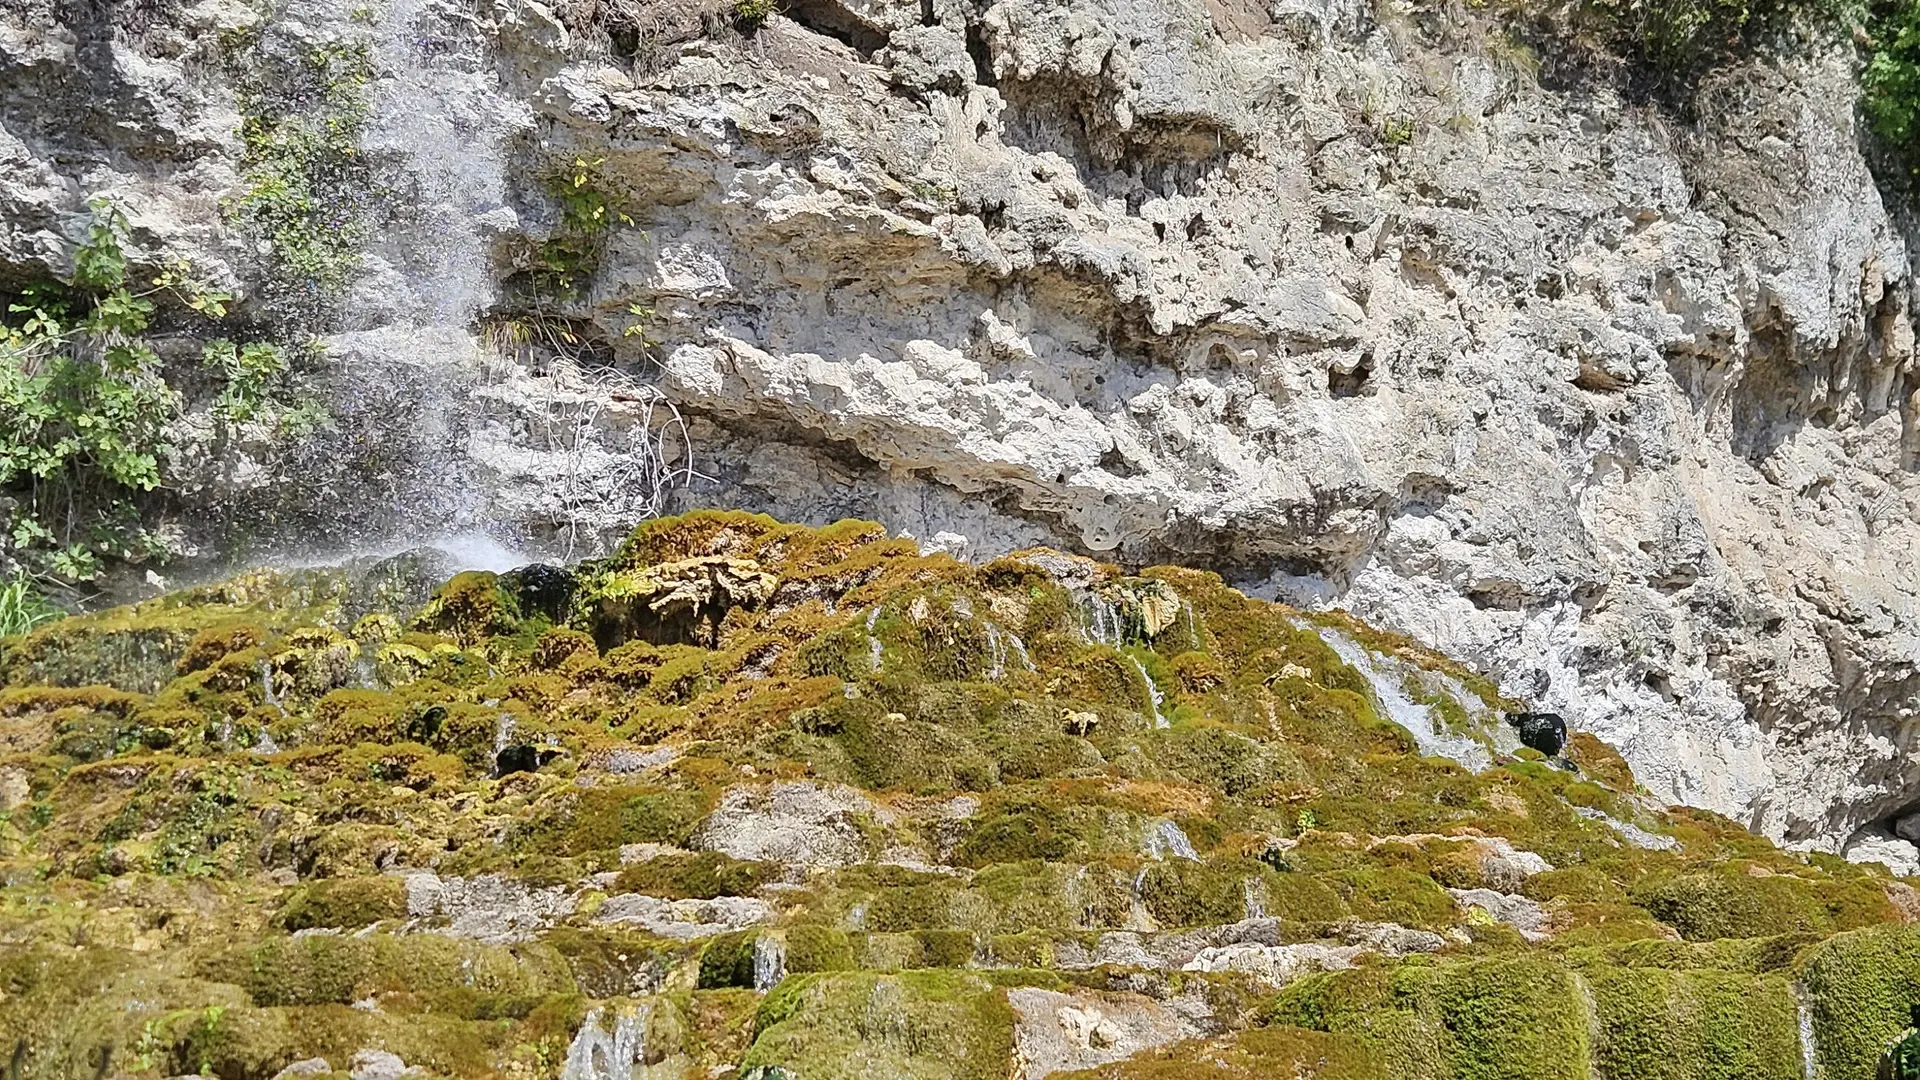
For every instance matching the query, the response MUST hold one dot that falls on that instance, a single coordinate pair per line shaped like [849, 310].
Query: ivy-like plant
[308, 189]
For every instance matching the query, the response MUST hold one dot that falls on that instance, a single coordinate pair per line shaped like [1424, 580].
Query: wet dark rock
[1543, 731]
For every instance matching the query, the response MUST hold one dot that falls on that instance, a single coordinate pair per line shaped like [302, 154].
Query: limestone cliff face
[1339, 300]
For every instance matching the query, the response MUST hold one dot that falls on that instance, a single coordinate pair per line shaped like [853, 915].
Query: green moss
[1859, 986]
[1031, 949]
[1393, 894]
[1520, 1019]
[1732, 902]
[1038, 895]
[885, 750]
[581, 820]
[1750, 956]
[727, 960]
[702, 876]
[348, 903]
[1217, 757]
[470, 608]
[1043, 857]
[606, 962]
[1293, 1053]
[1020, 828]
[434, 973]
[1182, 892]
[913, 907]
[818, 948]
[945, 948]
[1693, 1025]
[919, 1025]
[1497, 1019]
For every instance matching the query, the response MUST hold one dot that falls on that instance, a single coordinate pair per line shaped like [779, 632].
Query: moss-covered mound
[755, 800]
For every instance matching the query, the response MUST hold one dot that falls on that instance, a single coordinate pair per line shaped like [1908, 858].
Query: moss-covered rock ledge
[759, 801]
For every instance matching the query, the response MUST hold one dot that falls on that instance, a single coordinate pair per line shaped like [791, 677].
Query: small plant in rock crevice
[589, 210]
[749, 14]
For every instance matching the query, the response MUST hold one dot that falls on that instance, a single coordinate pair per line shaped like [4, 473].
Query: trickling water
[1809, 1049]
[769, 961]
[1420, 720]
[874, 651]
[1020, 647]
[1255, 896]
[1631, 833]
[437, 110]
[1003, 645]
[1138, 917]
[1103, 620]
[597, 1054]
[438, 126]
[502, 737]
[1165, 838]
[1154, 696]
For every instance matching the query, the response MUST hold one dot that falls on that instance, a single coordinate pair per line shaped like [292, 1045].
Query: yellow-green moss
[1702, 1024]
[1518, 1018]
[1261, 1054]
[1859, 987]
[431, 972]
[347, 902]
[1748, 901]
[916, 1025]
[701, 876]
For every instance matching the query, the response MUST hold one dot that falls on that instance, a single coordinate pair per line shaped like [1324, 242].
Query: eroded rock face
[1616, 407]
[804, 823]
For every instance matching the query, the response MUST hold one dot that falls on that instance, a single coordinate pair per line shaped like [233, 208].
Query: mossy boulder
[347, 903]
[1859, 987]
[1696, 1024]
[916, 1025]
[1259, 1054]
[1519, 1018]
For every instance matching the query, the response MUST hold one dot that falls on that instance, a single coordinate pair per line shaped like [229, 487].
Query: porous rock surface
[1613, 404]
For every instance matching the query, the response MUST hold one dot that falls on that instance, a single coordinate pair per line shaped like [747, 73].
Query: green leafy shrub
[1890, 84]
[588, 212]
[85, 403]
[751, 13]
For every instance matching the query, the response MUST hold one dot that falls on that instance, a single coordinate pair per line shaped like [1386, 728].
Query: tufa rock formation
[846, 836]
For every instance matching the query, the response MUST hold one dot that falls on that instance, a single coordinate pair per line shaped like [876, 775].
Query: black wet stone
[1543, 731]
